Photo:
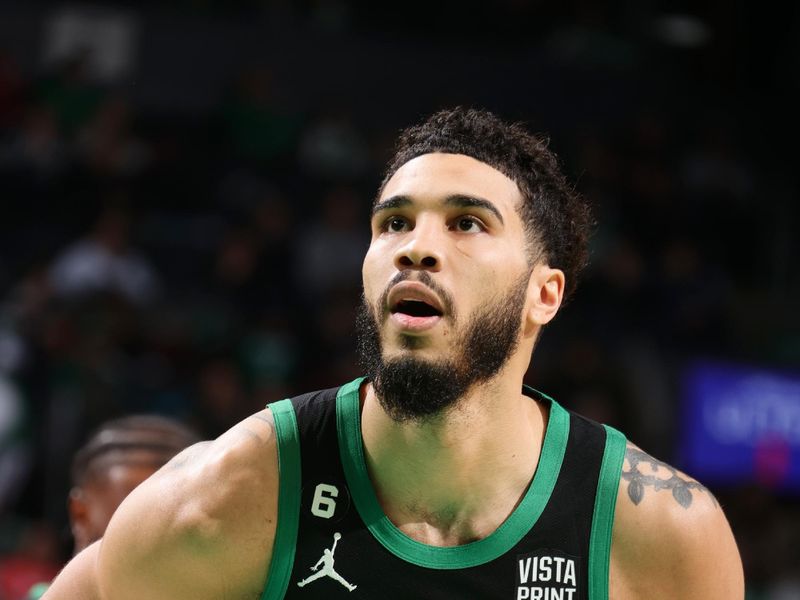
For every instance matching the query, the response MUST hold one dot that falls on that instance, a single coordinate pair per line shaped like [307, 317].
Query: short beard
[414, 389]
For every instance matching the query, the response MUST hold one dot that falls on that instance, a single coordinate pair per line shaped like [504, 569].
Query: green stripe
[603, 519]
[505, 537]
[280, 568]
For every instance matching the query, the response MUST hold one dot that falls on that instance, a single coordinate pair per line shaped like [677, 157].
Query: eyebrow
[458, 200]
[390, 204]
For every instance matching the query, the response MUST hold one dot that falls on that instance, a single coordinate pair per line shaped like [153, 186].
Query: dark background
[185, 188]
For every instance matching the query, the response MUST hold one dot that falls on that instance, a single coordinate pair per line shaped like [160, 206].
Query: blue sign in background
[741, 424]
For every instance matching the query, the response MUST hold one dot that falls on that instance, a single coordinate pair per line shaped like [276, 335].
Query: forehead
[438, 175]
[125, 465]
[129, 475]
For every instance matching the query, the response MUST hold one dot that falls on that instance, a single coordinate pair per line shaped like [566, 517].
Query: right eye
[395, 224]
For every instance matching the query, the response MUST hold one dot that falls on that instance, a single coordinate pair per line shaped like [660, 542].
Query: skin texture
[203, 526]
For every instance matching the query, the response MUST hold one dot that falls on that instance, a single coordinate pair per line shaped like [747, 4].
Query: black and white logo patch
[547, 575]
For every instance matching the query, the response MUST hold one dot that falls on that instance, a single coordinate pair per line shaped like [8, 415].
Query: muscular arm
[671, 538]
[79, 578]
[202, 527]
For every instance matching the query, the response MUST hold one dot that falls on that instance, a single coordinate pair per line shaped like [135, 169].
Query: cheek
[478, 278]
[371, 274]
[100, 513]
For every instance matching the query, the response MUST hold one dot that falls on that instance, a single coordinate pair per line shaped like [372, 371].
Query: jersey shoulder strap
[314, 411]
[584, 498]
[605, 501]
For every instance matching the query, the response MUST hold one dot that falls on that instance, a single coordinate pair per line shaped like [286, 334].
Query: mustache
[424, 278]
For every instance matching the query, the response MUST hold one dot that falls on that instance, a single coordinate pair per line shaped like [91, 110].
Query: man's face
[92, 507]
[447, 266]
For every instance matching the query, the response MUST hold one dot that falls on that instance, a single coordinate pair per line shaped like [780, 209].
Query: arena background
[185, 188]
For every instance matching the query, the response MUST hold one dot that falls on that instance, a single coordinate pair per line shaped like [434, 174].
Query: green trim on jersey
[505, 537]
[288, 437]
[605, 501]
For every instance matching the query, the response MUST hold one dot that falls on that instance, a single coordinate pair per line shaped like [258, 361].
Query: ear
[545, 293]
[78, 508]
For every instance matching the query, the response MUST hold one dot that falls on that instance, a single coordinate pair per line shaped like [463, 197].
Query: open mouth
[416, 308]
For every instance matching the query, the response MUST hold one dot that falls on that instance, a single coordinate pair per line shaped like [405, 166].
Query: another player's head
[118, 457]
[477, 237]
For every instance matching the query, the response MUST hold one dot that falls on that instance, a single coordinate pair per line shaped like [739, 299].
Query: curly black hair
[557, 219]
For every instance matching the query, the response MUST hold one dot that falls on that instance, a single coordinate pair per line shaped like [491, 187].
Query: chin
[416, 346]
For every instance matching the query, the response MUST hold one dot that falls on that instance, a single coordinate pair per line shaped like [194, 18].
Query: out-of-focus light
[104, 37]
[685, 31]
[741, 423]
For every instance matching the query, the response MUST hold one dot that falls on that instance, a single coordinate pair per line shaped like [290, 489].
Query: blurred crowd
[200, 268]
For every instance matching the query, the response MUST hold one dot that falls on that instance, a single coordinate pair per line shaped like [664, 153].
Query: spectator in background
[107, 144]
[261, 127]
[71, 94]
[35, 150]
[716, 169]
[35, 558]
[12, 86]
[222, 397]
[15, 452]
[330, 250]
[119, 456]
[333, 148]
[104, 262]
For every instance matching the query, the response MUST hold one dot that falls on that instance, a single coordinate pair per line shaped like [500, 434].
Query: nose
[421, 248]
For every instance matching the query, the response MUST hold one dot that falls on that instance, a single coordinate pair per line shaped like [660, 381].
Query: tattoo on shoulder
[261, 417]
[186, 455]
[663, 477]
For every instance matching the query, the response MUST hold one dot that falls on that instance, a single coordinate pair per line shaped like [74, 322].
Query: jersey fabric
[334, 541]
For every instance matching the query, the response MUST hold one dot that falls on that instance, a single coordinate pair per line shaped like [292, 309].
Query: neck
[487, 447]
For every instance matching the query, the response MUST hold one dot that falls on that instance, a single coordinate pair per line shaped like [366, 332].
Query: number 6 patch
[323, 505]
[328, 501]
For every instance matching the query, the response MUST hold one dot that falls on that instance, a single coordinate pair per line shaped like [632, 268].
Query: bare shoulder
[203, 525]
[671, 538]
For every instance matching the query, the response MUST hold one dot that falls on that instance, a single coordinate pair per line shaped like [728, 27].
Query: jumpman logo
[327, 567]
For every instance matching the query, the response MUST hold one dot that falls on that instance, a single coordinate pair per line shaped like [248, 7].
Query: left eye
[467, 224]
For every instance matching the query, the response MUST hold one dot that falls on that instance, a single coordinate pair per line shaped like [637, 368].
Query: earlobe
[78, 513]
[545, 293]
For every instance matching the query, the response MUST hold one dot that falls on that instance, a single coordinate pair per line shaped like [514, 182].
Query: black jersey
[334, 541]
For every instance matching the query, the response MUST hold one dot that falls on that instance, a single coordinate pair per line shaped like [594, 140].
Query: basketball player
[438, 475]
[119, 456]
